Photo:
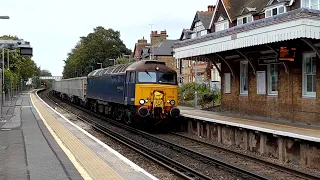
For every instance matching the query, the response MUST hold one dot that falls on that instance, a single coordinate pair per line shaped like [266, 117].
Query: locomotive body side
[109, 88]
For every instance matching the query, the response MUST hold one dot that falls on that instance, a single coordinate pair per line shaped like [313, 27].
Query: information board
[227, 83]
[261, 82]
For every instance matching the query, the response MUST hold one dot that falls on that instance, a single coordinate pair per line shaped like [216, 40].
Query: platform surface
[37, 143]
[27, 150]
[91, 157]
[305, 132]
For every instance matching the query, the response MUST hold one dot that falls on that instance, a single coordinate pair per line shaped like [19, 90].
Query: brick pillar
[198, 128]
[303, 154]
[208, 131]
[190, 129]
[263, 140]
[281, 149]
[245, 140]
[219, 134]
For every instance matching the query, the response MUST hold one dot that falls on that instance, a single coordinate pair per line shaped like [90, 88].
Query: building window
[177, 63]
[222, 25]
[309, 74]
[273, 79]
[244, 20]
[198, 27]
[274, 11]
[312, 4]
[244, 77]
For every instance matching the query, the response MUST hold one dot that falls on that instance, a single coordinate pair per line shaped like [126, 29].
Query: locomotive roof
[134, 66]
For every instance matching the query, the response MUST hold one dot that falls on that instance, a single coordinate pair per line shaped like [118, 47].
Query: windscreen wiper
[148, 73]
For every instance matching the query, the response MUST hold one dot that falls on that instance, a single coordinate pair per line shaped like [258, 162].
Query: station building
[269, 55]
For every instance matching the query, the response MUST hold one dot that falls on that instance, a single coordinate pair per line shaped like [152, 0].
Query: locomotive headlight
[142, 101]
[172, 102]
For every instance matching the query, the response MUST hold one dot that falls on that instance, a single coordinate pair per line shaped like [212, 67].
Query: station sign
[269, 60]
[287, 53]
[25, 51]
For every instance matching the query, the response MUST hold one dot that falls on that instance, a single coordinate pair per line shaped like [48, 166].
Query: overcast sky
[54, 27]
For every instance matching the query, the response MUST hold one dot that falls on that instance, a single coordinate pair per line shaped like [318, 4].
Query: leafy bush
[186, 94]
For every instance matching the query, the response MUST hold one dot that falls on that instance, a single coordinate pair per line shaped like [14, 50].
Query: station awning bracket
[231, 69]
[250, 62]
[214, 63]
[312, 46]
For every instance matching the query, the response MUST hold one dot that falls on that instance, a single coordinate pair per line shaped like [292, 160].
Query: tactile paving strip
[94, 166]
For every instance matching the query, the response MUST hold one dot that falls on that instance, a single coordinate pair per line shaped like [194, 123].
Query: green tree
[45, 73]
[97, 47]
[122, 60]
[20, 67]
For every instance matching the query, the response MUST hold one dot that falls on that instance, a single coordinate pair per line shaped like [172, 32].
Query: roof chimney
[211, 8]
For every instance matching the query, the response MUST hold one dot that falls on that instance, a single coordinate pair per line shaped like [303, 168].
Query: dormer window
[274, 11]
[198, 28]
[222, 25]
[312, 4]
[244, 19]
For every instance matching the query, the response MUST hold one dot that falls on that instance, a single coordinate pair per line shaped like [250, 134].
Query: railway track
[164, 151]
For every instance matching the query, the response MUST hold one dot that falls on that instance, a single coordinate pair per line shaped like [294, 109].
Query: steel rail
[217, 162]
[256, 159]
[176, 167]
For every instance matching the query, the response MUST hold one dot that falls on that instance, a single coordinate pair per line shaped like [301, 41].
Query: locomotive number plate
[157, 103]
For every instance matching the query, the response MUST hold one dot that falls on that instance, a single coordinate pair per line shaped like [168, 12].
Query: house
[269, 55]
[160, 48]
[200, 26]
[138, 48]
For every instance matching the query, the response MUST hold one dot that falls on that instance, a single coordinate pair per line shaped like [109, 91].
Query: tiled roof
[235, 7]
[289, 16]
[205, 18]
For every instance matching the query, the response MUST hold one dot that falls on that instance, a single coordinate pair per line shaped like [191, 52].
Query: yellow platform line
[89, 165]
[221, 117]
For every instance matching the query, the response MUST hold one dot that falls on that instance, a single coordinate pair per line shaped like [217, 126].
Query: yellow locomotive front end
[157, 100]
[156, 93]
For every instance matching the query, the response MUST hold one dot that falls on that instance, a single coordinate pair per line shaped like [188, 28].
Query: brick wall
[288, 105]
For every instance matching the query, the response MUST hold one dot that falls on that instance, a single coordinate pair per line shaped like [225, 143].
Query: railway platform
[298, 131]
[285, 142]
[36, 142]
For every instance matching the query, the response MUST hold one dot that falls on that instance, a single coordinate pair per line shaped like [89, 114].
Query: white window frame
[224, 24]
[309, 4]
[275, 7]
[304, 80]
[240, 19]
[177, 63]
[270, 92]
[242, 91]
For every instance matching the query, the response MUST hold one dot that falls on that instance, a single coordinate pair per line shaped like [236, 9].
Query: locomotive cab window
[147, 77]
[132, 77]
[167, 78]
[157, 77]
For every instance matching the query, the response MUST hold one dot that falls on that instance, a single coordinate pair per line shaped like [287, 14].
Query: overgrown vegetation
[21, 68]
[206, 97]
